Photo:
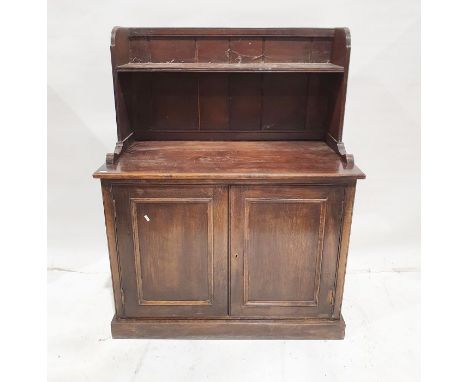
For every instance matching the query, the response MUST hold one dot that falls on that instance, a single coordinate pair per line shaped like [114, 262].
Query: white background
[382, 129]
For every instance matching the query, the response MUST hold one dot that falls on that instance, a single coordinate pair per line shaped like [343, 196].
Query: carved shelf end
[339, 148]
[120, 146]
[112, 158]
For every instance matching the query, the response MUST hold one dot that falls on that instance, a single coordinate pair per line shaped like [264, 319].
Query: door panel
[172, 241]
[173, 252]
[284, 246]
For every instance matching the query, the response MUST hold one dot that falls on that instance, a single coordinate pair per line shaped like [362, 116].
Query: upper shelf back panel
[236, 50]
[167, 45]
[287, 105]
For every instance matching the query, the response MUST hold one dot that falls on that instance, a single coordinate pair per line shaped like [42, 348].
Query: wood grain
[228, 198]
[227, 32]
[172, 246]
[230, 329]
[176, 105]
[349, 192]
[193, 160]
[236, 67]
[165, 231]
[284, 242]
[109, 216]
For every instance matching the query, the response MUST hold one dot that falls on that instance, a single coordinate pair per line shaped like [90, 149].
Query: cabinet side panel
[109, 216]
[348, 203]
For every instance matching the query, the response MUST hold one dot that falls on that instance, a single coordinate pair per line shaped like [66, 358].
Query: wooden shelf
[234, 68]
[224, 160]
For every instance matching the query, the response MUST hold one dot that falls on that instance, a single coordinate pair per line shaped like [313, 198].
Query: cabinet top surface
[228, 160]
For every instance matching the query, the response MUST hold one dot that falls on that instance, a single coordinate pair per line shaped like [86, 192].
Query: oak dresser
[229, 195]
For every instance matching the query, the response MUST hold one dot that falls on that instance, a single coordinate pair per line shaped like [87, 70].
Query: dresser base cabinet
[232, 261]
[229, 195]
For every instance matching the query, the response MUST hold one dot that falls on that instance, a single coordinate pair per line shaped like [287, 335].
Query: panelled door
[284, 248]
[172, 243]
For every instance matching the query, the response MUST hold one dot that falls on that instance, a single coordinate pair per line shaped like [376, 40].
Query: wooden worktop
[223, 160]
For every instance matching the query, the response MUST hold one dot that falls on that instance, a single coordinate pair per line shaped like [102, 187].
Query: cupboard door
[172, 249]
[284, 249]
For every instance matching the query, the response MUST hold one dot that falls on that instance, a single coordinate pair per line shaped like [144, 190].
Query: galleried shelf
[325, 67]
[229, 195]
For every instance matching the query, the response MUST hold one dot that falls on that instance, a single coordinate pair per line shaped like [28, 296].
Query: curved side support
[119, 49]
[120, 147]
[339, 148]
[113, 35]
[348, 159]
[119, 46]
[340, 56]
[347, 37]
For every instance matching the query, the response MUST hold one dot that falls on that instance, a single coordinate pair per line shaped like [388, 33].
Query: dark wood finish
[245, 103]
[339, 148]
[288, 161]
[174, 102]
[120, 147]
[228, 198]
[235, 67]
[284, 102]
[228, 32]
[254, 94]
[213, 102]
[109, 217]
[267, 329]
[340, 55]
[347, 215]
[284, 245]
[119, 55]
[172, 242]
[227, 106]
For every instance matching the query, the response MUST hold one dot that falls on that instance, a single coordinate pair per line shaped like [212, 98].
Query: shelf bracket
[339, 148]
[120, 146]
